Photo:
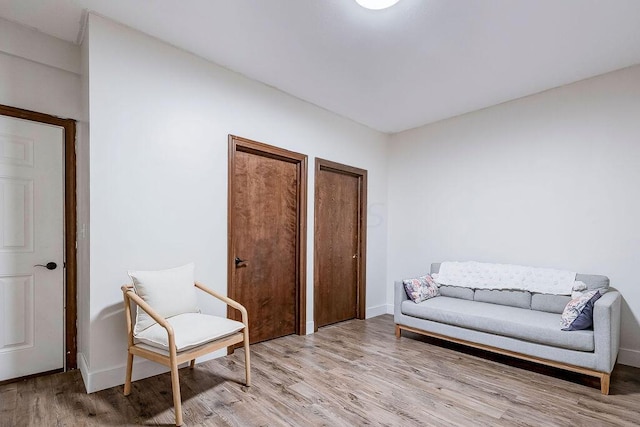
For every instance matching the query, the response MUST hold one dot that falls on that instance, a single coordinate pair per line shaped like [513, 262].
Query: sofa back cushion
[452, 291]
[593, 281]
[435, 267]
[549, 303]
[456, 292]
[520, 299]
[540, 302]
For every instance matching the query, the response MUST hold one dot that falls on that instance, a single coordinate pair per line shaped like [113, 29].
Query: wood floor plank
[8, 403]
[34, 401]
[351, 373]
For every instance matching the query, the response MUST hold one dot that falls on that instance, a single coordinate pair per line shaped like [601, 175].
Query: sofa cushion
[456, 292]
[520, 299]
[435, 267]
[549, 303]
[530, 325]
[593, 281]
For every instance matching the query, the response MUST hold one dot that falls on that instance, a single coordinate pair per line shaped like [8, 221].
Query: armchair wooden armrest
[226, 300]
[131, 295]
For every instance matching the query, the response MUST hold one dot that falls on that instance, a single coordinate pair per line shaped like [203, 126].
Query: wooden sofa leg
[127, 380]
[398, 332]
[192, 363]
[604, 383]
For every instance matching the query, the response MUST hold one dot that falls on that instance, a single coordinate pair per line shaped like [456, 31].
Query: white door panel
[31, 232]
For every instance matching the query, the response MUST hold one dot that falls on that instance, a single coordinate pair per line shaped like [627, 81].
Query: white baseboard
[389, 308]
[629, 357]
[84, 370]
[310, 327]
[375, 311]
[114, 376]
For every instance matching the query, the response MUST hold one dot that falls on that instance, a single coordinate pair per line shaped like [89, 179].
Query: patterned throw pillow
[421, 288]
[578, 314]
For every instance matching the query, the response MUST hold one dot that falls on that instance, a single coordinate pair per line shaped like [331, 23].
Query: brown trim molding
[361, 174]
[237, 143]
[71, 300]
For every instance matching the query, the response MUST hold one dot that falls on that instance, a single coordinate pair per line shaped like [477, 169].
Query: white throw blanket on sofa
[478, 275]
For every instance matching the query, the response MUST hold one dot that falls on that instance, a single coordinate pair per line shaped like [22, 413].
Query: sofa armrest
[606, 330]
[400, 296]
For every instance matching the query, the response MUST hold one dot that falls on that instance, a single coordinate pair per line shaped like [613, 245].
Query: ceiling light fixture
[376, 4]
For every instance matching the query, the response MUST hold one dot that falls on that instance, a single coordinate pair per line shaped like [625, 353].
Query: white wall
[548, 180]
[160, 118]
[83, 214]
[42, 73]
[38, 72]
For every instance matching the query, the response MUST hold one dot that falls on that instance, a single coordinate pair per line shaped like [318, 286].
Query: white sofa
[519, 324]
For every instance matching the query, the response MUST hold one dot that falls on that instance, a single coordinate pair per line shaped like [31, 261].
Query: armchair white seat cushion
[190, 329]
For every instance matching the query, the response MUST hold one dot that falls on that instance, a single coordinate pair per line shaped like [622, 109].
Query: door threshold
[28, 377]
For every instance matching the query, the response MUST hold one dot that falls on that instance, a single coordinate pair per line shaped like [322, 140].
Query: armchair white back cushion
[169, 292]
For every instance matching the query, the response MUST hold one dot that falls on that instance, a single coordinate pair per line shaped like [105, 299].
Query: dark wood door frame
[237, 143]
[70, 297]
[361, 174]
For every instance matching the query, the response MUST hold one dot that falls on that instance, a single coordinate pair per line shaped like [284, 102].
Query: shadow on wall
[113, 310]
[629, 327]
[111, 320]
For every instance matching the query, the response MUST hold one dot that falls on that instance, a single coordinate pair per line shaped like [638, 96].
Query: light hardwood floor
[352, 373]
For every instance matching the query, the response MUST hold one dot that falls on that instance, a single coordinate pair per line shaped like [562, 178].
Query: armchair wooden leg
[398, 333]
[127, 381]
[247, 361]
[175, 388]
[192, 363]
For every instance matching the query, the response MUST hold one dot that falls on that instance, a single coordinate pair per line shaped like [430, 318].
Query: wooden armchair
[181, 338]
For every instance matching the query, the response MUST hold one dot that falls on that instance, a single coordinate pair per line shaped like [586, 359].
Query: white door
[31, 232]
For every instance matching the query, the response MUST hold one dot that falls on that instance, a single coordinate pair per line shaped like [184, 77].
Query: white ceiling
[415, 63]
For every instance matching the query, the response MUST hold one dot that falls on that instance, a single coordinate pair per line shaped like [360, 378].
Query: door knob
[48, 266]
[239, 262]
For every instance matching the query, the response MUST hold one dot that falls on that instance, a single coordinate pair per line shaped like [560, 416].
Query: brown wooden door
[340, 229]
[266, 223]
